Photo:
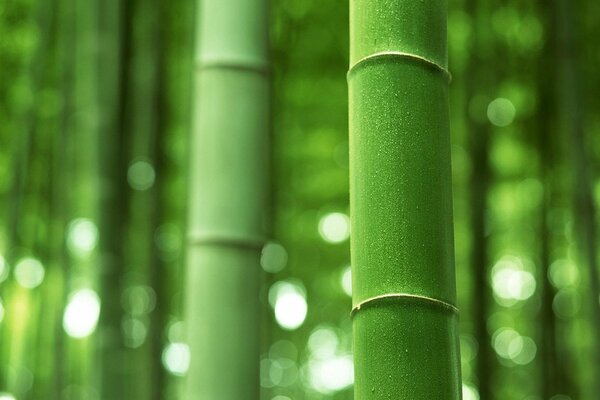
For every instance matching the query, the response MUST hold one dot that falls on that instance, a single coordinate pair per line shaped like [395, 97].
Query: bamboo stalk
[482, 47]
[554, 378]
[228, 192]
[404, 318]
[115, 359]
[570, 95]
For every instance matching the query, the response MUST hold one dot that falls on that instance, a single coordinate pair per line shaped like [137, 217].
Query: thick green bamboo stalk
[404, 315]
[228, 196]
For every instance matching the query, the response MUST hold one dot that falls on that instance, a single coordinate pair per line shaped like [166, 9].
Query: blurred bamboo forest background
[95, 120]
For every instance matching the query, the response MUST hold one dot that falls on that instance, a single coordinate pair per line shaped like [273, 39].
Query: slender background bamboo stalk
[228, 192]
[569, 96]
[481, 81]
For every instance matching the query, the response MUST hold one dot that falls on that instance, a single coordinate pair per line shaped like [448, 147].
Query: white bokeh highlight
[288, 300]
[81, 314]
[334, 227]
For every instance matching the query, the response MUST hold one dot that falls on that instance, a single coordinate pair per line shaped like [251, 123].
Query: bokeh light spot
[82, 313]
[323, 343]
[507, 343]
[289, 302]
[334, 227]
[135, 332]
[29, 272]
[141, 175]
[501, 112]
[176, 358]
[270, 373]
[511, 282]
[469, 392]
[283, 349]
[167, 238]
[566, 303]
[346, 280]
[332, 374]
[176, 331]
[510, 345]
[527, 351]
[82, 236]
[290, 310]
[273, 257]
[138, 299]
[563, 273]
[281, 372]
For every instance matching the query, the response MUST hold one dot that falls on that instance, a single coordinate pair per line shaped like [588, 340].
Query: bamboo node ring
[253, 66]
[401, 54]
[403, 296]
[226, 240]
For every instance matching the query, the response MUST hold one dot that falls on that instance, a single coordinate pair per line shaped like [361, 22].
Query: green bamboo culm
[228, 199]
[404, 292]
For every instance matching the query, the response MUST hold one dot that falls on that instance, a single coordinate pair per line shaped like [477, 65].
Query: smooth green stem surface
[228, 196]
[405, 345]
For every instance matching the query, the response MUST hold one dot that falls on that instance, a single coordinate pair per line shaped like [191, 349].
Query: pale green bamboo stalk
[404, 316]
[81, 146]
[228, 196]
